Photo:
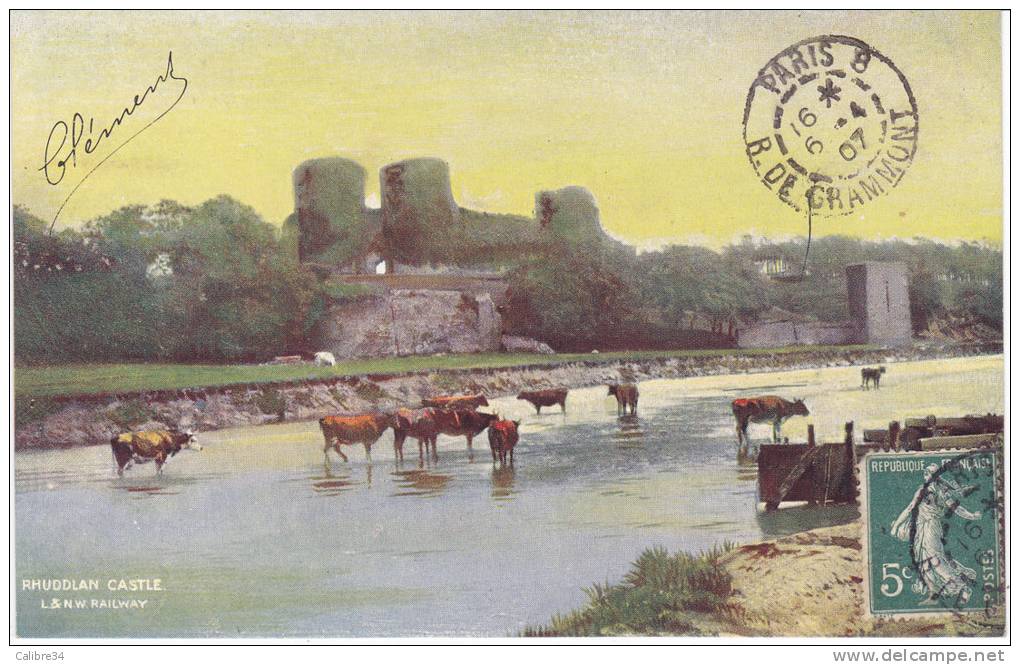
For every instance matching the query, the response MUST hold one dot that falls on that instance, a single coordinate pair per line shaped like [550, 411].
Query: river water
[253, 537]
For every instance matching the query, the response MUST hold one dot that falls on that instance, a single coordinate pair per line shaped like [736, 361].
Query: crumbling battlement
[419, 221]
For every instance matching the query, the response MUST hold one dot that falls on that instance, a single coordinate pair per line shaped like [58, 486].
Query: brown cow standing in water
[418, 424]
[502, 439]
[540, 398]
[471, 402]
[768, 408]
[468, 424]
[626, 394]
[349, 430]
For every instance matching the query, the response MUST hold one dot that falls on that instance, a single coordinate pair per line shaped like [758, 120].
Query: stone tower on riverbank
[879, 302]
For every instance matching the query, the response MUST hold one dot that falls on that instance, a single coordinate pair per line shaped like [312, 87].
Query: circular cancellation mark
[832, 123]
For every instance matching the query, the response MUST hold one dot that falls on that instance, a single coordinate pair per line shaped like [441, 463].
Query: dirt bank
[80, 421]
[811, 584]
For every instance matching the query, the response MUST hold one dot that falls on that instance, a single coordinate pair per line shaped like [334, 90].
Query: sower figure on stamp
[939, 574]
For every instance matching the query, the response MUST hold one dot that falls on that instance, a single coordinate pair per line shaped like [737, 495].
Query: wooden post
[811, 446]
[893, 440]
[849, 487]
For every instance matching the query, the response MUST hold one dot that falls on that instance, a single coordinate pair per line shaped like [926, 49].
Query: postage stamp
[932, 541]
[830, 123]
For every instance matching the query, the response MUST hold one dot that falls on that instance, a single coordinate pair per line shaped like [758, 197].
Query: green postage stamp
[932, 540]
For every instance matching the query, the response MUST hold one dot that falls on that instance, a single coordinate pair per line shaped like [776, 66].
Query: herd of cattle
[456, 415]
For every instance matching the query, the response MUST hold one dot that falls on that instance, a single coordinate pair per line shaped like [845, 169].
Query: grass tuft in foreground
[663, 594]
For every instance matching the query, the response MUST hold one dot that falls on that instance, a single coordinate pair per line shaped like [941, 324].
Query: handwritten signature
[57, 160]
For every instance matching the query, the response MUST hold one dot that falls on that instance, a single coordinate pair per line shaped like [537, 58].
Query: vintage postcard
[508, 324]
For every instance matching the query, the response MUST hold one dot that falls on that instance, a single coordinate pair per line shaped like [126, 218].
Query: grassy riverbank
[809, 584]
[66, 380]
[663, 593]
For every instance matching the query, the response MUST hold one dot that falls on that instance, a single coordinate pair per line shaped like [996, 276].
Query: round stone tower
[569, 214]
[418, 208]
[329, 202]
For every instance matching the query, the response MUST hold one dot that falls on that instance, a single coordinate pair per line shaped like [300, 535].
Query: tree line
[614, 298]
[217, 283]
[167, 282]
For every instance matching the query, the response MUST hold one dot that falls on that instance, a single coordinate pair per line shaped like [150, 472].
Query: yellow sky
[644, 109]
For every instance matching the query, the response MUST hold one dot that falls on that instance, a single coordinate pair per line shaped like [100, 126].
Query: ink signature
[58, 161]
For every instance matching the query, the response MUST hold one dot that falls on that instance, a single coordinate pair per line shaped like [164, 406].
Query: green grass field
[62, 380]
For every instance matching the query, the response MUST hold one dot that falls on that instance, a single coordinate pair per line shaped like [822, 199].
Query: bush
[271, 402]
[662, 594]
[574, 301]
[608, 298]
[369, 391]
[345, 292]
[127, 415]
[32, 410]
[338, 397]
[217, 283]
[444, 382]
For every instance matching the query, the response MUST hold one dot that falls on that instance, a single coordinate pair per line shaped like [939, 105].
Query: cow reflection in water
[630, 434]
[502, 482]
[420, 482]
[332, 483]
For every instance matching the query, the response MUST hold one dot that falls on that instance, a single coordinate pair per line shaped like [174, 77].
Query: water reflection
[420, 482]
[32, 481]
[148, 489]
[761, 390]
[165, 485]
[747, 468]
[629, 434]
[336, 482]
[793, 519]
[502, 483]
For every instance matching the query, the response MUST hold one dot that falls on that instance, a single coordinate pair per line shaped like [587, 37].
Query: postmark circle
[830, 123]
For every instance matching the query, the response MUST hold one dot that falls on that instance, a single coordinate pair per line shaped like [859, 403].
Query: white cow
[325, 358]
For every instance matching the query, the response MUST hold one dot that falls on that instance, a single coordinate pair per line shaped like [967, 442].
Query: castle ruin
[429, 275]
[879, 308]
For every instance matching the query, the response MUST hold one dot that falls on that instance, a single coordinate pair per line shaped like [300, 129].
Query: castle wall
[772, 334]
[823, 333]
[412, 322]
[767, 335]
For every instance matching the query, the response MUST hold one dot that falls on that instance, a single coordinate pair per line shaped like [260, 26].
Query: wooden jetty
[932, 433]
[823, 473]
[816, 473]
